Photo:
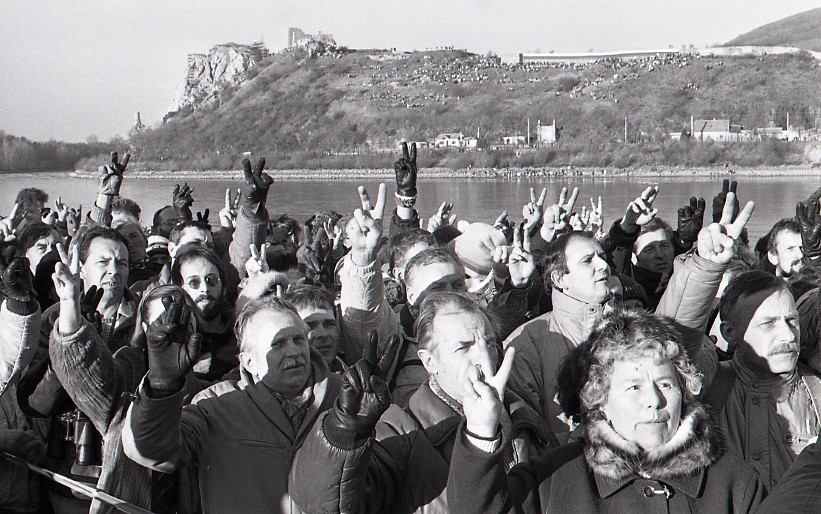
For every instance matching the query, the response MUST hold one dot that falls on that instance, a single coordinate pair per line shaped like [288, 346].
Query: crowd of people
[377, 362]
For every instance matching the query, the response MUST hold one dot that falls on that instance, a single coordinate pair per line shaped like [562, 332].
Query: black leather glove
[23, 444]
[111, 175]
[17, 280]
[172, 350]
[88, 306]
[364, 396]
[255, 193]
[721, 198]
[809, 216]
[203, 216]
[690, 220]
[406, 171]
[182, 200]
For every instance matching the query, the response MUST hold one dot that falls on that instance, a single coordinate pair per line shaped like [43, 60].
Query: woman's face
[644, 401]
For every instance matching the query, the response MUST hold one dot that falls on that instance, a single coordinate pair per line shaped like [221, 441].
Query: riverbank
[476, 173]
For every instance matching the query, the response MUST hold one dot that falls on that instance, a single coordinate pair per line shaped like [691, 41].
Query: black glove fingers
[733, 186]
[258, 168]
[405, 155]
[413, 153]
[387, 358]
[246, 167]
[115, 159]
[371, 347]
[124, 162]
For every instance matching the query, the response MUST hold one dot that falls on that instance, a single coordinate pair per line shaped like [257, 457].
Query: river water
[474, 200]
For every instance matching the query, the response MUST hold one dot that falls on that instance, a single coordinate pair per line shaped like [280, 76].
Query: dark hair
[155, 222]
[86, 237]
[433, 255]
[743, 285]
[193, 252]
[404, 241]
[176, 232]
[786, 224]
[304, 296]
[33, 232]
[555, 256]
[126, 205]
[30, 195]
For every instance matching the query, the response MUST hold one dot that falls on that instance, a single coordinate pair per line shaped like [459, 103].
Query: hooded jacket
[606, 473]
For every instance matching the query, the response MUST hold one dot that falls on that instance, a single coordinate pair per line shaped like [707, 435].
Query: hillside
[802, 30]
[304, 110]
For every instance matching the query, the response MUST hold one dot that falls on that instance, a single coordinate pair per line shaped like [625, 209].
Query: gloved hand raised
[406, 171]
[719, 200]
[255, 193]
[809, 216]
[182, 200]
[172, 347]
[111, 175]
[364, 396]
[17, 280]
[690, 220]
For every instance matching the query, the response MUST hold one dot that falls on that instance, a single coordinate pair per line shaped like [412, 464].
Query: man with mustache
[784, 248]
[766, 404]
[201, 274]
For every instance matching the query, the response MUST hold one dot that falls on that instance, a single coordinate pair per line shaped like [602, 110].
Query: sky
[71, 69]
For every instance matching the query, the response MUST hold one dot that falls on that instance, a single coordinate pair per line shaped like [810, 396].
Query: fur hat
[476, 245]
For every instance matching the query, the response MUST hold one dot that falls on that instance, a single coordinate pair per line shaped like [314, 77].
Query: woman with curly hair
[648, 444]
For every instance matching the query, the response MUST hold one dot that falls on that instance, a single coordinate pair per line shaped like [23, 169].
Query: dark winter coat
[690, 473]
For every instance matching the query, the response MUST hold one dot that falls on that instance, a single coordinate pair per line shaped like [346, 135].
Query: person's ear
[558, 279]
[773, 258]
[247, 362]
[428, 361]
[728, 332]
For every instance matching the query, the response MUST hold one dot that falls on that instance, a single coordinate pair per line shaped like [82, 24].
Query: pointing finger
[379, 209]
[572, 201]
[126, 158]
[364, 198]
[540, 201]
[727, 212]
[742, 219]
[405, 154]
[413, 153]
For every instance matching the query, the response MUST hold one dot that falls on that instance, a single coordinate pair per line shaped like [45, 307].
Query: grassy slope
[296, 107]
[802, 30]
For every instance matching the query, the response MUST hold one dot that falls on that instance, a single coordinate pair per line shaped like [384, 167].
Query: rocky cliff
[211, 77]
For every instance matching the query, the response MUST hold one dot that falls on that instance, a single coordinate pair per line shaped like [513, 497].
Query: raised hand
[202, 217]
[690, 220]
[640, 211]
[720, 199]
[406, 172]
[49, 217]
[367, 231]
[111, 175]
[521, 263]
[442, 218]
[716, 242]
[596, 220]
[483, 400]
[809, 216]
[66, 275]
[333, 231]
[556, 216]
[74, 219]
[257, 263]
[173, 347]
[17, 280]
[228, 214]
[182, 201]
[532, 211]
[505, 225]
[61, 209]
[257, 184]
[364, 395]
[8, 226]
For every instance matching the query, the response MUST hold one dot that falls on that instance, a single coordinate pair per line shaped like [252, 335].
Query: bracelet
[405, 201]
[471, 434]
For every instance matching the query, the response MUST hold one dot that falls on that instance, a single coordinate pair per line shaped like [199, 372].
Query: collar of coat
[575, 317]
[681, 462]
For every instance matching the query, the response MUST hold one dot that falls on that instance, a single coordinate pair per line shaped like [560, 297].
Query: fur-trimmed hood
[696, 445]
